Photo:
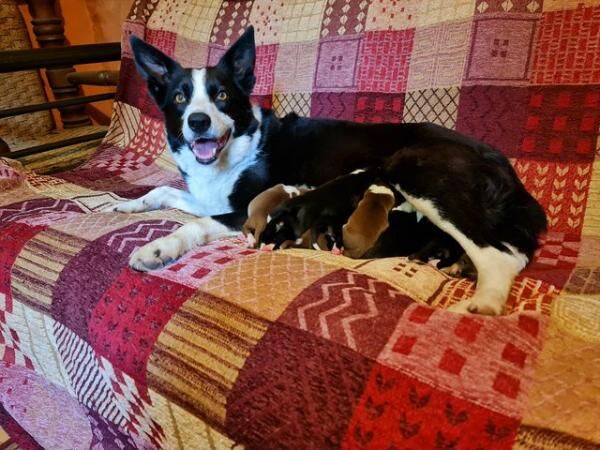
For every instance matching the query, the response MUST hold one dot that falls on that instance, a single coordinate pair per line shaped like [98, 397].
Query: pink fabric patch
[49, 414]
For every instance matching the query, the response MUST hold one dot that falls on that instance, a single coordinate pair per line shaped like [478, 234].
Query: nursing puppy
[368, 221]
[261, 206]
[322, 214]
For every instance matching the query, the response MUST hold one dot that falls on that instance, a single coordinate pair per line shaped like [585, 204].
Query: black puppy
[322, 213]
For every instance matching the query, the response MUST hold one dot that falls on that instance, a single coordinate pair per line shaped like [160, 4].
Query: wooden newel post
[49, 32]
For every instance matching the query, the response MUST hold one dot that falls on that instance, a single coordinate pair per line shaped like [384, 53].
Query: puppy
[261, 206]
[368, 221]
[322, 211]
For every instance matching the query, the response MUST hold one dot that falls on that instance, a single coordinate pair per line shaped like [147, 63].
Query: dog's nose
[199, 122]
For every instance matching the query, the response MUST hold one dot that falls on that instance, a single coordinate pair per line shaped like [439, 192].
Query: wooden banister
[49, 32]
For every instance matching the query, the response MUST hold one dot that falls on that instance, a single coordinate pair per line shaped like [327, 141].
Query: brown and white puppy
[261, 206]
[368, 221]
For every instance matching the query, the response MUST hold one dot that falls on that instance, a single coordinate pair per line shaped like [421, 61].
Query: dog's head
[204, 109]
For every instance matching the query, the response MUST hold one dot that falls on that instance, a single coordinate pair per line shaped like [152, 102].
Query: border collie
[229, 151]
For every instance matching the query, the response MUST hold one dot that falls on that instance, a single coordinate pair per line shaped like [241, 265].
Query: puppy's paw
[454, 270]
[156, 254]
[478, 306]
[129, 206]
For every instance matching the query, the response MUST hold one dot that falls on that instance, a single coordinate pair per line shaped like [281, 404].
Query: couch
[230, 347]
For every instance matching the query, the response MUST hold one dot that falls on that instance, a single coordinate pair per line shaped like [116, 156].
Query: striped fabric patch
[88, 380]
[39, 264]
[198, 355]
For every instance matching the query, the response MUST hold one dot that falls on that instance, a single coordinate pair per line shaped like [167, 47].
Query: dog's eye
[179, 99]
[222, 96]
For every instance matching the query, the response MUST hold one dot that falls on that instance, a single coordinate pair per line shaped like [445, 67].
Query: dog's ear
[240, 60]
[154, 66]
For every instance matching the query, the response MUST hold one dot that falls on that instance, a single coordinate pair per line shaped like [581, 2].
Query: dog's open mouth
[207, 151]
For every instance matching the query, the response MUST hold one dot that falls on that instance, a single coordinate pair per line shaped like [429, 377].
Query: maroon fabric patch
[333, 105]
[95, 268]
[295, 391]
[562, 123]
[129, 317]
[264, 101]
[107, 435]
[136, 92]
[349, 308]
[36, 208]
[231, 22]
[494, 114]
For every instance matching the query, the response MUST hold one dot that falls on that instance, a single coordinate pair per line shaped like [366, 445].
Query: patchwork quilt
[235, 348]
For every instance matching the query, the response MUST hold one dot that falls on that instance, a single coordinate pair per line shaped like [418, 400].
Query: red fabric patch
[404, 344]
[529, 324]
[562, 190]
[165, 40]
[566, 45]
[378, 108]
[266, 56]
[507, 385]
[130, 316]
[452, 362]
[383, 60]
[396, 411]
[421, 314]
[13, 238]
[468, 329]
[515, 355]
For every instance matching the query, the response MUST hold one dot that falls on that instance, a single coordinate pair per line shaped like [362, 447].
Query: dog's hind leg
[158, 198]
[496, 269]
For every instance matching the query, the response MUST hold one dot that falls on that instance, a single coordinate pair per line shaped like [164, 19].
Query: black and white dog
[229, 151]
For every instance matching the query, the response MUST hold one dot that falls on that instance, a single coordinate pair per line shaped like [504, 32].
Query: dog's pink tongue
[205, 150]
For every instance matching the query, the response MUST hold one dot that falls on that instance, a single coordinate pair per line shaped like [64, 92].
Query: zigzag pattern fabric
[298, 349]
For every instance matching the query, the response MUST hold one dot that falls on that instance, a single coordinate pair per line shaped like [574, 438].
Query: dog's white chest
[212, 185]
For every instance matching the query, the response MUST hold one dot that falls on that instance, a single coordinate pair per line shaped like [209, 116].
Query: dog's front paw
[129, 206]
[156, 254]
[476, 305]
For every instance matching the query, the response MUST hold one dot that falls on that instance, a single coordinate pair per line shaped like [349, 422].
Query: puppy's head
[284, 225]
[205, 109]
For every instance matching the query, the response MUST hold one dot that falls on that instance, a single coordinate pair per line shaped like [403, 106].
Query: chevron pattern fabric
[231, 347]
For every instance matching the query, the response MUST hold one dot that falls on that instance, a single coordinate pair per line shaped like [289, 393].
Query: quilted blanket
[235, 348]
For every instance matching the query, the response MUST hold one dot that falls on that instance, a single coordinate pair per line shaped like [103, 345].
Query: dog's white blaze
[291, 190]
[496, 270]
[268, 218]
[357, 171]
[379, 189]
[211, 185]
[201, 103]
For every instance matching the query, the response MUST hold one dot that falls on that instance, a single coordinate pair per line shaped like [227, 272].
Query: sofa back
[522, 76]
